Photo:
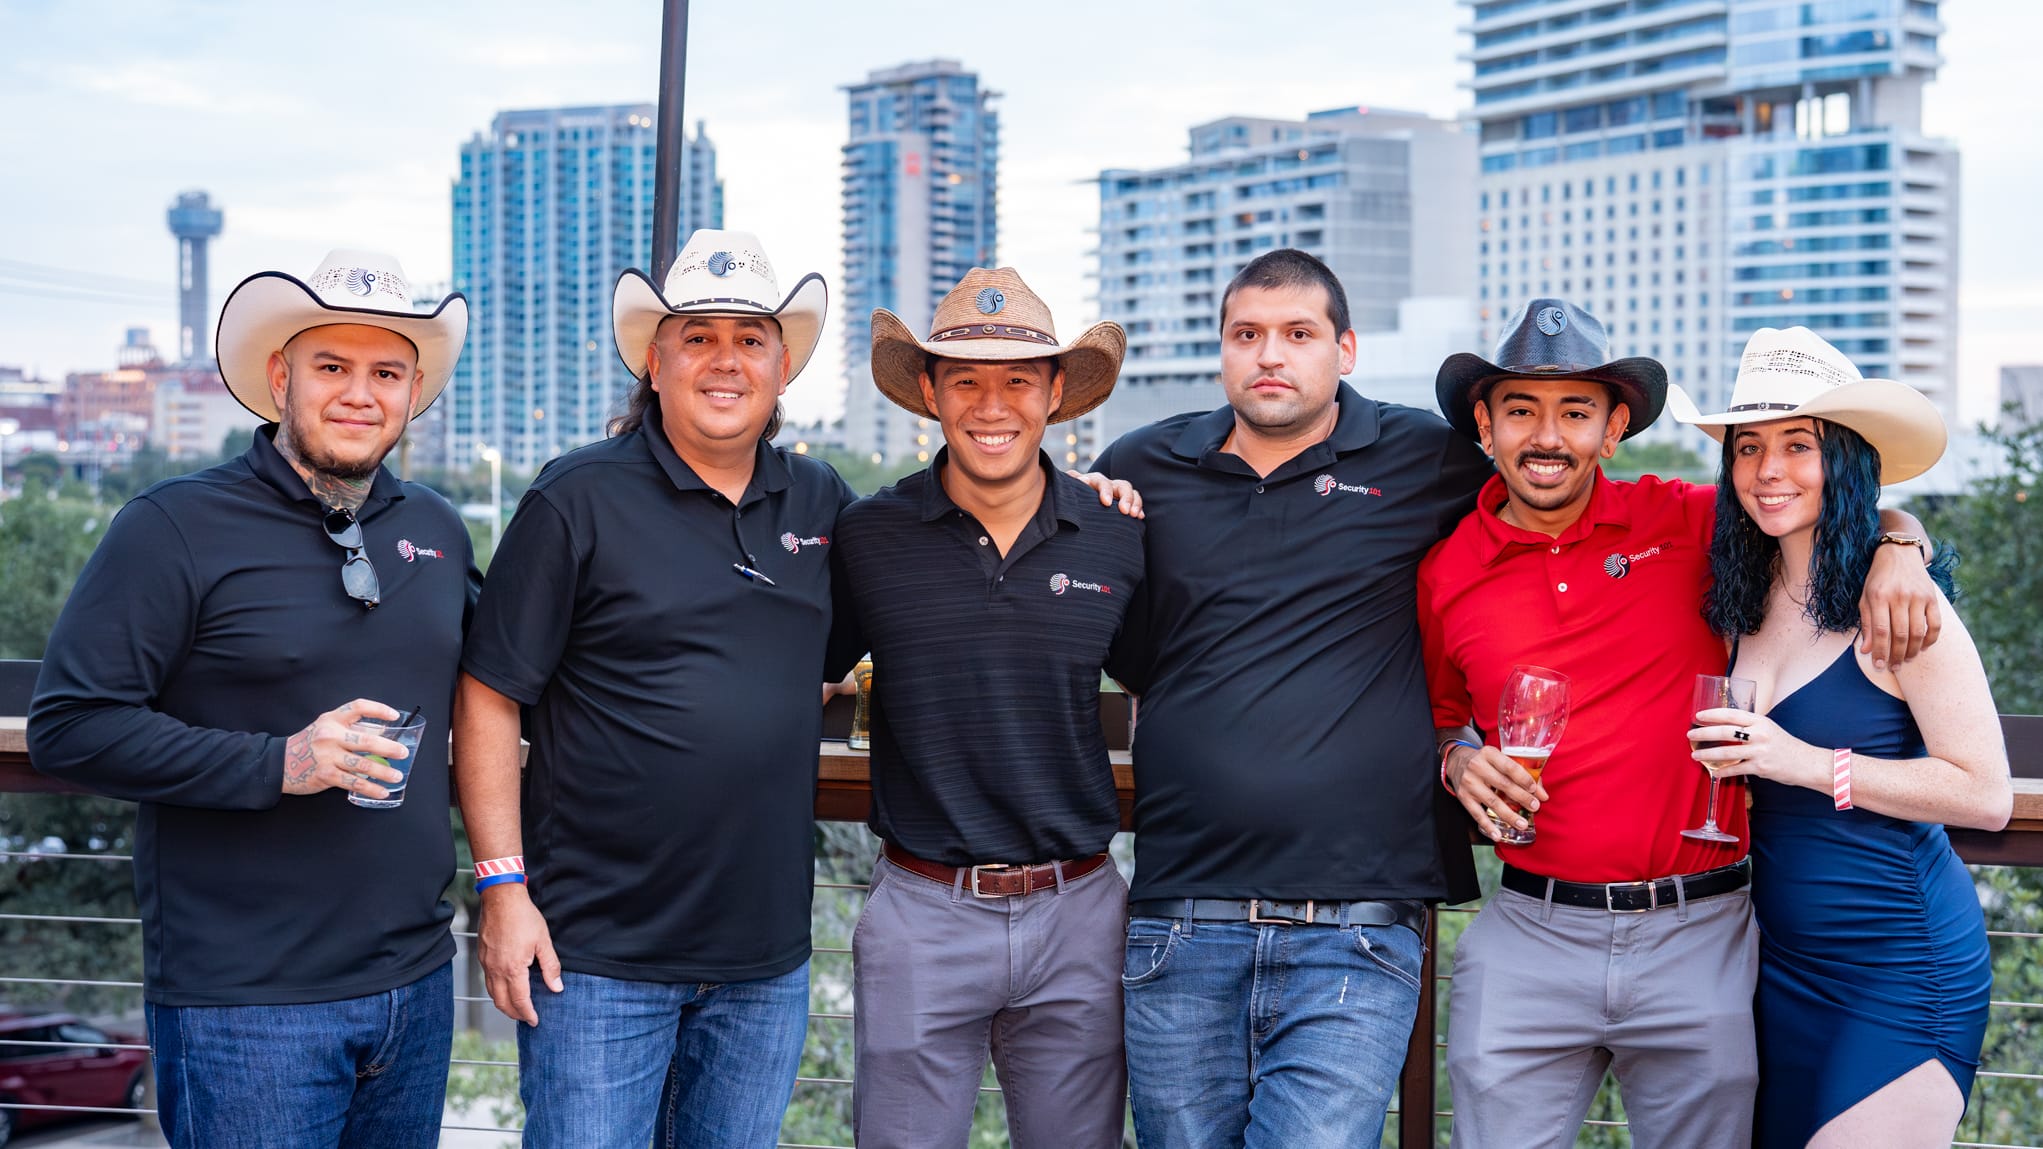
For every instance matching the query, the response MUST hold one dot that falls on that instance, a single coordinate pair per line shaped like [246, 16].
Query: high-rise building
[2022, 385]
[1382, 196]
[1694, 170]
[551, 205]
[195, 222]
[921, 171]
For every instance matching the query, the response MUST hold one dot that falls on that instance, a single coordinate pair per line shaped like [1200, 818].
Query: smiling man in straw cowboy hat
[1600, 580]
[659, 611]
[297, 959]
[990, 587]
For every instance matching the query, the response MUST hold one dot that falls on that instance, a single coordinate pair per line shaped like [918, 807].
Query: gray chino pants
[943, 979]
[1546, 997]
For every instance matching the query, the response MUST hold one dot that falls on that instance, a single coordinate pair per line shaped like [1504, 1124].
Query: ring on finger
[1742, 735]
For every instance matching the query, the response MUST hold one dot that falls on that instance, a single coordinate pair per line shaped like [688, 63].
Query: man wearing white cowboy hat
[212, 664]
[990, 587]
[1600, 580]
[658, 612]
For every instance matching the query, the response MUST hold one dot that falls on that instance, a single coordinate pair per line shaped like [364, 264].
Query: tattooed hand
[332, 754]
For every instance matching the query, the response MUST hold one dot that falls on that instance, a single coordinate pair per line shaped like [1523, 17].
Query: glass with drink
[1530, 718]
[861, 737]
[1718, 692]
[405, 731]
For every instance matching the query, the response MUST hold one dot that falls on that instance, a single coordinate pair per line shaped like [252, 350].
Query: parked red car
[82, 1075]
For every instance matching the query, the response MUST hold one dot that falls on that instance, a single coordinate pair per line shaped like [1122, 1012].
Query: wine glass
[1718, 692]
[1530, 717]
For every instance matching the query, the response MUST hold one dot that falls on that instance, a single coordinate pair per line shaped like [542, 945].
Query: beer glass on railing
[1530, 718]
[1718, 692]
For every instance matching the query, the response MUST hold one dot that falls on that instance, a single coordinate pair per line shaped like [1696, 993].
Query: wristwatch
[1917, 541]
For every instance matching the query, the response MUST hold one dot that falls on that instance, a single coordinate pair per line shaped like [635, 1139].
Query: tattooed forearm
[298, 763]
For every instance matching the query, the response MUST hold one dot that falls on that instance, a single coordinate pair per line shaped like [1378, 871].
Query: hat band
[995, 331]
[1763, 407]
[1551, 368]
[678, 307]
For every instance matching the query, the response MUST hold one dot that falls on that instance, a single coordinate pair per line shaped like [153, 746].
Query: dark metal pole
[672, 142]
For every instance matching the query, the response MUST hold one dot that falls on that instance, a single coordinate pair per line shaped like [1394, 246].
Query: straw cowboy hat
[269, 308]
[1794, 374]
[1555, 339]
[992, 316]
[718, 273]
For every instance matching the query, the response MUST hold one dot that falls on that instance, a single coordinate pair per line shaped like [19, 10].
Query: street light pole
[670, 139]
[495, 459]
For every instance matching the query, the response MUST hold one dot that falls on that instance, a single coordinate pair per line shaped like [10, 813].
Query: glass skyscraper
[1694, 170]
[1382, 196]
[551, 205]
[921, 175]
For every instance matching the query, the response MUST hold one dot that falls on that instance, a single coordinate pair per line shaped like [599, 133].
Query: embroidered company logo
[794, 543]
[1620, 564]
[1325, 485]
[1061, 582]
[411, 552]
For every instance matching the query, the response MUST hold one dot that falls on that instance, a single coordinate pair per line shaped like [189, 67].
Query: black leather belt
[1272, 912]
[1632, 897]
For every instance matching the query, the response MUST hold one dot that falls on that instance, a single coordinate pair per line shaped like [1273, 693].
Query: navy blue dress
[1873, 955]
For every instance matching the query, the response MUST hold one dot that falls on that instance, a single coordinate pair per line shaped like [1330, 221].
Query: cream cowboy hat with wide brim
[1795, 374]
[268, 309]
[718, 273]
[991, 316]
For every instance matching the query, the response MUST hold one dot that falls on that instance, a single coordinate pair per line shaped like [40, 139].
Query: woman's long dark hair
[1744, 559]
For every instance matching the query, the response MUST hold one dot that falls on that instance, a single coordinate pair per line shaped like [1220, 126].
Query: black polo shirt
[1284, 747]
[986, 668]
[209, 627]
[674, 704]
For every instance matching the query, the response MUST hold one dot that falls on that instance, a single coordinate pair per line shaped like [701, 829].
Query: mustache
[1525, 457]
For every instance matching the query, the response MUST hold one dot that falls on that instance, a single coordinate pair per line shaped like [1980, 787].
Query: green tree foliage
[45, 538]
[1667, 460]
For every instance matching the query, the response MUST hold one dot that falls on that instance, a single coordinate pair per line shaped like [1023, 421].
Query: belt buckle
[1256, 917]
[1003, 866]
[1652, 897]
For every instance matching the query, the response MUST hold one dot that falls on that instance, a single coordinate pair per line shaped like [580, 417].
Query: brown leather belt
[993, 880]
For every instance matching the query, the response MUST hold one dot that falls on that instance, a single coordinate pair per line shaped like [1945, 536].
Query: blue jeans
[361, 1073]
[712, 1066]
[1266, 1036]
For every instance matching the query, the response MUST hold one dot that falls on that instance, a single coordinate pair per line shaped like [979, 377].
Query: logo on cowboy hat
[266, 310]
[957, 331]
[717, 273]
[1794, 373]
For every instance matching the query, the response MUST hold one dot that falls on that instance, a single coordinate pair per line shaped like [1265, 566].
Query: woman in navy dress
[1874, 971]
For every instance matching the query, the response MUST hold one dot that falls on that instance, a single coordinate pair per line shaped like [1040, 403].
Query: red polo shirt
[1615, 603]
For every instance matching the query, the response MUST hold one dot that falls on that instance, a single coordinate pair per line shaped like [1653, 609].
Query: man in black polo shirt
[658, 611]
[1285, 823]
[990, 587]
[296, 959]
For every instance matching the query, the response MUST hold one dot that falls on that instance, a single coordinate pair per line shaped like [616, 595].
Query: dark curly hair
[1744, 559]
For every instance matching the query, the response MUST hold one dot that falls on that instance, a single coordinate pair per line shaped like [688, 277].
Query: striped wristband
[1840, 778]
[1447, 748]
[497, 871]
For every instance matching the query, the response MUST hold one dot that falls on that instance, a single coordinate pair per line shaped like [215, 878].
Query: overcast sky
[339, 125]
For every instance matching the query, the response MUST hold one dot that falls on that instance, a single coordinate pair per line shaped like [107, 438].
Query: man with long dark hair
[658, 612]
[1616, 943]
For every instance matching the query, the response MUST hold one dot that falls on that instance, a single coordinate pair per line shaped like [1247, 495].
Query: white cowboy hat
[269, 308]
[1794, 374]
[718, 273]
[992, 316]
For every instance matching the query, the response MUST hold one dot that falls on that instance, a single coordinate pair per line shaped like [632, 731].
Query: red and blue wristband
[498, 871]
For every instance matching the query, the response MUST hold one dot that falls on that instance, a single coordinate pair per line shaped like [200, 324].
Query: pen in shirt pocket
[749, 573]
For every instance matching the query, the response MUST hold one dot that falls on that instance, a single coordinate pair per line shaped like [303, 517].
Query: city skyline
[144, 107]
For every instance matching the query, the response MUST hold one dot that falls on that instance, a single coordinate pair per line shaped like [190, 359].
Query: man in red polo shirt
[1615, 943]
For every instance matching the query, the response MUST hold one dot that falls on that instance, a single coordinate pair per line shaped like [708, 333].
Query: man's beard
[324, 462]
